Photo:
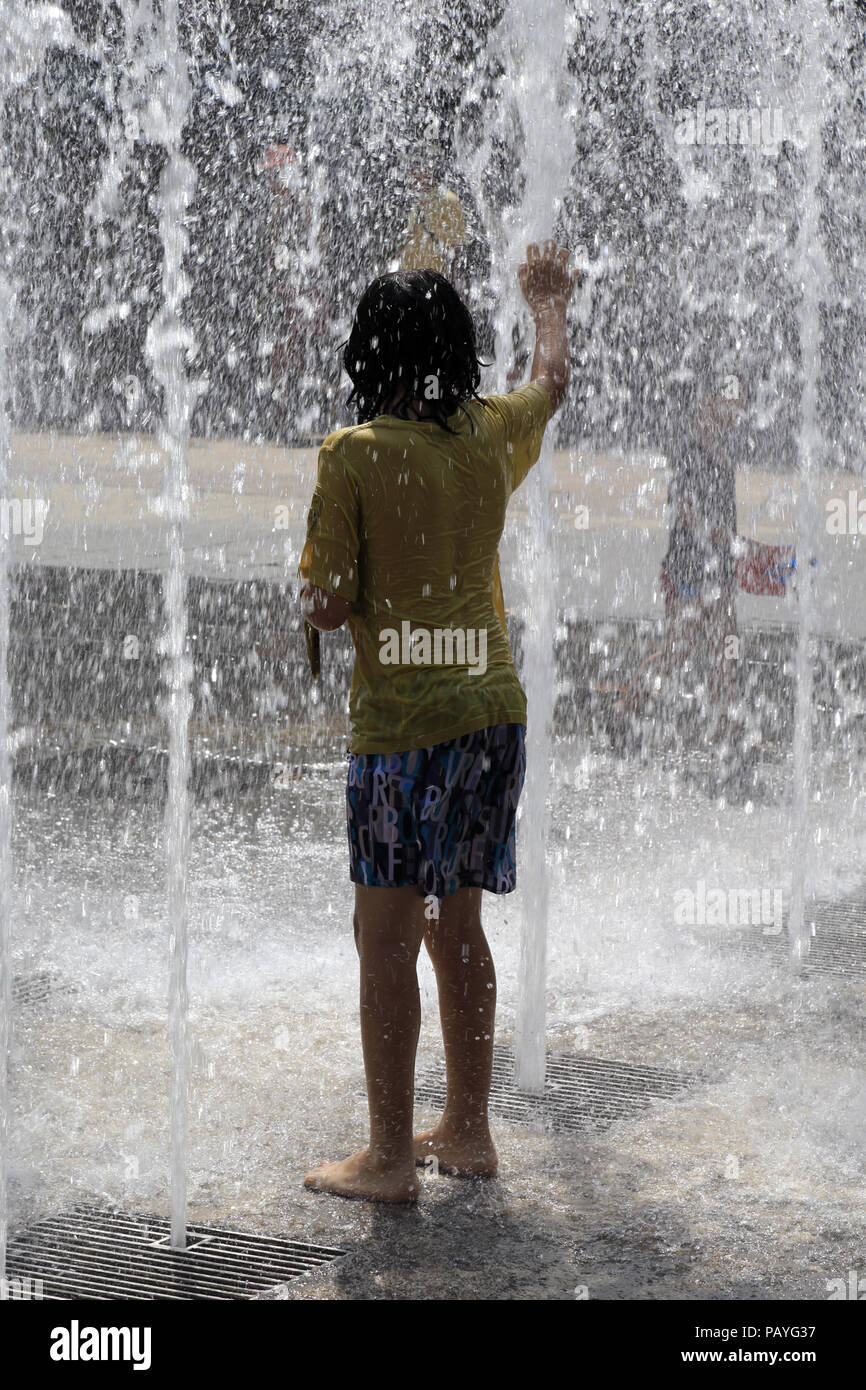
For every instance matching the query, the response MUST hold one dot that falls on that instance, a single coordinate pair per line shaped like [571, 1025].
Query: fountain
[812, 276]
[532, 54]
[169, 345]
[6, 295]
[169, 348]
[148, 93]
[244, 180]
[24, 36]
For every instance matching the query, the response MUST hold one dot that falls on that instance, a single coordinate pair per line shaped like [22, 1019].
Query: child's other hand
[546, 278]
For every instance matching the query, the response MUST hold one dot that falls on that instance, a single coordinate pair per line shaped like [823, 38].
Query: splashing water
[812, 276]
[25, 34]
[368, 84]
[534, 43]
[169, 342]
[6, 296]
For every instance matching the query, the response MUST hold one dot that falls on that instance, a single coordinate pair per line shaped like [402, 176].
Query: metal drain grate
[38, 987]
[97, 1254]
[838, 940]
[580, 1093]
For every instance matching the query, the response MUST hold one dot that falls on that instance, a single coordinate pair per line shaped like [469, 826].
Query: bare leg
[723, 645]
[728, 726]
[389, 925]
[682, 635]
[466, 979]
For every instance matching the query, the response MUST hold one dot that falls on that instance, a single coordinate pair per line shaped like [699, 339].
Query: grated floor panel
[93, 1253]
[38, 987]
[838, 944]
[580, 1093]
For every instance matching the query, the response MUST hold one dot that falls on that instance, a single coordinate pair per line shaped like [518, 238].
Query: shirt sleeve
[521, 417]
[330, 555]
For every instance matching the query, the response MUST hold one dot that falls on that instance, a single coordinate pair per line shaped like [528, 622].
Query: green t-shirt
[405, 523]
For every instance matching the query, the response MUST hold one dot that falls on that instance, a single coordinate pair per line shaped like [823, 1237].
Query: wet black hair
[412, 329]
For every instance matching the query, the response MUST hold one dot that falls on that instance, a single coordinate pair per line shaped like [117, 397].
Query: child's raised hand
[546, 278]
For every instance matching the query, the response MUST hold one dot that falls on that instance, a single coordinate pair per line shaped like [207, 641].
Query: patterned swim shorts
[441, 818]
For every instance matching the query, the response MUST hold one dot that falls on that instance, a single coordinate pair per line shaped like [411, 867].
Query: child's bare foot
[363, 1176]
[461, 1156]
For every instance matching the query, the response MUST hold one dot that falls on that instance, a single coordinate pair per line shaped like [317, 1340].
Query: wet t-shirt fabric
[405, 523]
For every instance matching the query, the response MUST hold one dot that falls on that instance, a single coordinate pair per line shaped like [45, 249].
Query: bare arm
[547, 283]
[550, 364]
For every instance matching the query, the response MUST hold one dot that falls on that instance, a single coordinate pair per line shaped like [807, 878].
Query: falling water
[89, 853]
[536, 42]
[169, 342]
[811, 273]
[25, 33]
[6, 302]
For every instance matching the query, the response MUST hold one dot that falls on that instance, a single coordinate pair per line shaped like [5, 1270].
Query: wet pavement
[750, 1184]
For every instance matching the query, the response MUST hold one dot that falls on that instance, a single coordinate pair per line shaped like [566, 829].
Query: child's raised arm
[547, 282]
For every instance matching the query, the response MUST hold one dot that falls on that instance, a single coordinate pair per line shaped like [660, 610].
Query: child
[401, 541]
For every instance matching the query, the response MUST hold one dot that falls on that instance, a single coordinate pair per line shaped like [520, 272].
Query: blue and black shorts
[439, 818]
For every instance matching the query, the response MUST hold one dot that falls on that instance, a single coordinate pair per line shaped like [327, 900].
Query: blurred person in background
[705, 564]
